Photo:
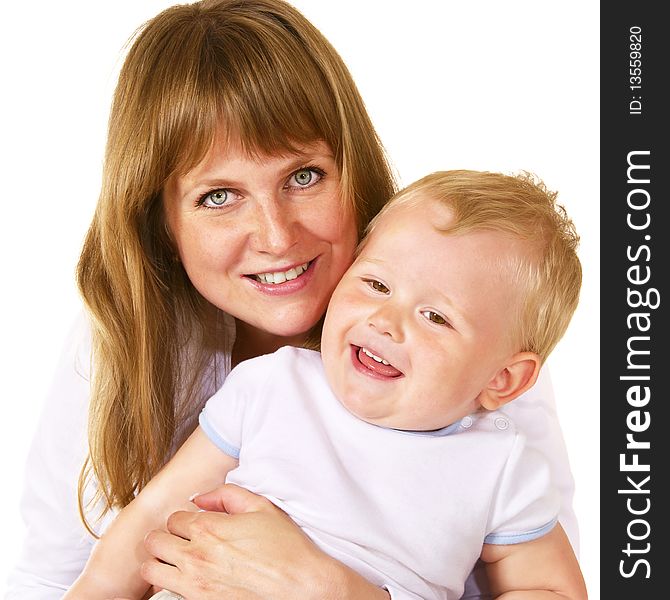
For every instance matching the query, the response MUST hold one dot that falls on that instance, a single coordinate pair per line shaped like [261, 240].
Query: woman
[241, 167]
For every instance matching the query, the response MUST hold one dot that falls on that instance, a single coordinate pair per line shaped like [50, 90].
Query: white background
[449, 84]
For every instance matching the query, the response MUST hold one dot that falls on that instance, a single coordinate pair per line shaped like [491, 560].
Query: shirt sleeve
[534, 413]
[222, 419]
[56, 545]
[526, 504]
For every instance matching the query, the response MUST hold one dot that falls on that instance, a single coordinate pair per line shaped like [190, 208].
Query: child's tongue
[377, 367]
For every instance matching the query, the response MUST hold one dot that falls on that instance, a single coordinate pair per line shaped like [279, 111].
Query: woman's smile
[279, 276]
[284, 281]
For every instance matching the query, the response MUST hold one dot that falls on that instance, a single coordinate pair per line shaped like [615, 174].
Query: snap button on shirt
[501, 423]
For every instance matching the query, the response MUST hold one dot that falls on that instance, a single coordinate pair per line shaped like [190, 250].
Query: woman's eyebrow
[214, 181]
[313, 150]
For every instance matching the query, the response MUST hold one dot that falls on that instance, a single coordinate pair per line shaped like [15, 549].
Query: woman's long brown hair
[253, 70]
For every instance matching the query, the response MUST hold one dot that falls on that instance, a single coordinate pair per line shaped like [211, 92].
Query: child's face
[435, 309]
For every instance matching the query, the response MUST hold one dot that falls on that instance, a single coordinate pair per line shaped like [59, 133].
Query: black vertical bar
[635, 460]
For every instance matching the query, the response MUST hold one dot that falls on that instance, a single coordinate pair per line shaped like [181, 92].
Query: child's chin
[362, 412]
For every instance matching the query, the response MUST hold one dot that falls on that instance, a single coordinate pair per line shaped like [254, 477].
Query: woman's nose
[387, 320]
[274, 231]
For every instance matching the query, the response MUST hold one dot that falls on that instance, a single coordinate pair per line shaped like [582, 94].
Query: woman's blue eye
[215, 198]
[303, 177]
[219, 197]
[307, 177]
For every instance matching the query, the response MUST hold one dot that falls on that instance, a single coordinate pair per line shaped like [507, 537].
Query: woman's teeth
[374, 356]
[282, 276]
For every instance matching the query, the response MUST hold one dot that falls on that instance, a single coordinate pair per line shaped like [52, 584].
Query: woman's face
[264, 238]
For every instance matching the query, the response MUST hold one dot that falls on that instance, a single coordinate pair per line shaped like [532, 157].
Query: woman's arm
[250, 547]
[114, 566]
[56, 545]
[541, 569]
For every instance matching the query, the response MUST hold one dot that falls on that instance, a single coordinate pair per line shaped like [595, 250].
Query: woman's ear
[517, 376]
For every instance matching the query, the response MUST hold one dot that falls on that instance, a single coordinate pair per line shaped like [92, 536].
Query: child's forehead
[419, 210]
[406, 231]
[420, 233]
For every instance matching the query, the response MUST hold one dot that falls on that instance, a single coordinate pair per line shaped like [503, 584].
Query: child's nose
[387, 320]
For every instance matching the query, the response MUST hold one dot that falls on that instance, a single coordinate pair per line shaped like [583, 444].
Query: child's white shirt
[409, 511]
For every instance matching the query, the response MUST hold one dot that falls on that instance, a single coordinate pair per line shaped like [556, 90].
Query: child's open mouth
[374, 363]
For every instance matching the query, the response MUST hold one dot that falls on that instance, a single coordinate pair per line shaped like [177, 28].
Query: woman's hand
[245, 548]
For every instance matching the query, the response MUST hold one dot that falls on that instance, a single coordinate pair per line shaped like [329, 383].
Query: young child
[389, 448]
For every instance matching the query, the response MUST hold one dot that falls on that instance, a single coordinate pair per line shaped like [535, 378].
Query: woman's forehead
[225, 148]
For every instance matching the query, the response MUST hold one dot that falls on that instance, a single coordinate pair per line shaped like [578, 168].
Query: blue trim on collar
[445, 431]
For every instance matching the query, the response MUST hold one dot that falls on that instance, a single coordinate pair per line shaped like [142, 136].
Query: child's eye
[377, 286]
[436, 318]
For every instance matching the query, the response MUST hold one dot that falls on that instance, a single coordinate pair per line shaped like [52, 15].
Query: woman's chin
[294, 330]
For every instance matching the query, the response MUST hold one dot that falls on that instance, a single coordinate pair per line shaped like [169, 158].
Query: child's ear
[518, 375]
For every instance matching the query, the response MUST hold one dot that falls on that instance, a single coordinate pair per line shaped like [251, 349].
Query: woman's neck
[251, 342]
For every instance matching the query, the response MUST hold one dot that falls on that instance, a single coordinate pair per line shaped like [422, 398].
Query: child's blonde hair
[550, 273]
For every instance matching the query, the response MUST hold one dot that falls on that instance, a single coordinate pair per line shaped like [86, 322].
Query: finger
[160, 575]
[232, 499]
[165, 546]
[212, 500]
[180, 523]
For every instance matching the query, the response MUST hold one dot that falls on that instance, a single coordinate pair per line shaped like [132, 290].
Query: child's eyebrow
[374, 261]
[455, 313]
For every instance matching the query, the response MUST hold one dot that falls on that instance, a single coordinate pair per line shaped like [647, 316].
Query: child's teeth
[374, 356]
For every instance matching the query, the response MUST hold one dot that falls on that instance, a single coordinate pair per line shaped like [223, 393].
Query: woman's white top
[57, 545]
